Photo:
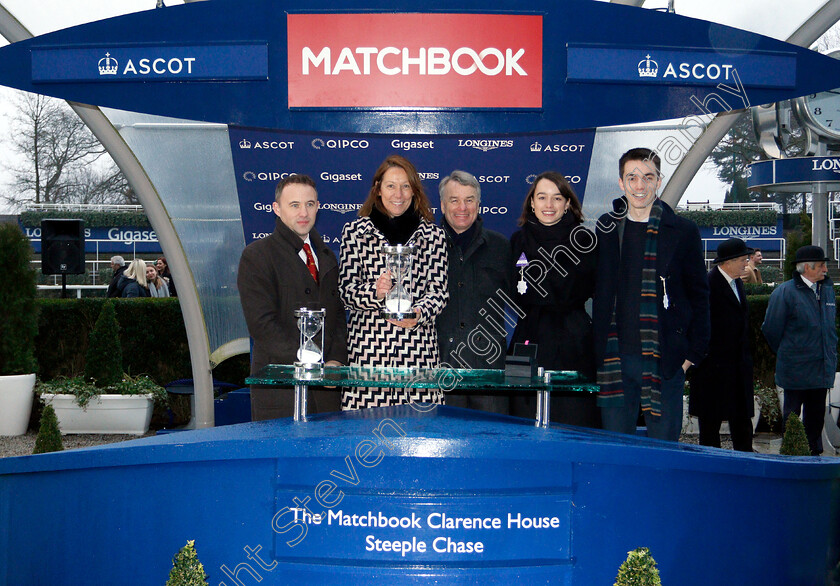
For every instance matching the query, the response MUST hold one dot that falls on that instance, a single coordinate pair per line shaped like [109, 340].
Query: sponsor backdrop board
[116, 239]
[353, 67]
[343, 168]
[763, 237]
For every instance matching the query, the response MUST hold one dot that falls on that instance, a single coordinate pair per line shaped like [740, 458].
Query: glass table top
[422, 378]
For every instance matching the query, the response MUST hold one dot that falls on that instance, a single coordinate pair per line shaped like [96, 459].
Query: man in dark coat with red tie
[290, 269]
[722, 384]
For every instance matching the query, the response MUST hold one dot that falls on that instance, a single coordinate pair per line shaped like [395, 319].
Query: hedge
[138, 219]
[154, 340]
[712, 218]
[152, 334]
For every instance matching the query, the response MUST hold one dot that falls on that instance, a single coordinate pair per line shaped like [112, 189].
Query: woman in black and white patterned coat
[396, 211]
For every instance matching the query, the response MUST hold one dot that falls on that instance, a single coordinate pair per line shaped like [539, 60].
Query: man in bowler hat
[799, 326]
[722, 384]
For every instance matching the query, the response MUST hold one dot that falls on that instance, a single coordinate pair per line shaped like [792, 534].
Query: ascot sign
[415, 60]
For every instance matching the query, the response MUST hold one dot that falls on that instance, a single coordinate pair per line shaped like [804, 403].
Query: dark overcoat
[273, 282]
[722, 384]
[680, 272]
[476, 276]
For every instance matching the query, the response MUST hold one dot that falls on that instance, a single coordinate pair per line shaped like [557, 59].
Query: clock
[821, 113]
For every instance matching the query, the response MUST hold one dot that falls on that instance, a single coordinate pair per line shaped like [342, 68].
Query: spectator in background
[157, 284]
[118, 266]
[133, 282]
[722, 384]
[800, 327]
[163, 270]
[752, 274]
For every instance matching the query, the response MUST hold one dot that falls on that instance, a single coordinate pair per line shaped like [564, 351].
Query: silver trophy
[398, 301]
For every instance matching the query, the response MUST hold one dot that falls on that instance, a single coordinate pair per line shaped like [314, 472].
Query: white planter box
[125, 414]
[15, 403]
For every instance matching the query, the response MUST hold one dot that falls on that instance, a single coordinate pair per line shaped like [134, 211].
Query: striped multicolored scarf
[609, 373]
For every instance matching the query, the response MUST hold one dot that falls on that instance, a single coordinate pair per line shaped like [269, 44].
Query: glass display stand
[485, 381]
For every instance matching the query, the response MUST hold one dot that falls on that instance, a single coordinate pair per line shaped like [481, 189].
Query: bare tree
[62, 162]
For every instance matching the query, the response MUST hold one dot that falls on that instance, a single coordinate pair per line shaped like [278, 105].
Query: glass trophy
[398, 301]
[310, 357]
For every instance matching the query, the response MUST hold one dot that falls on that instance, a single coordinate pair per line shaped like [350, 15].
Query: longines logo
[341, 208]
[536, 147]
[342, 143]
[263, 176]
[424, 176]
[485, 145]
[267, 144]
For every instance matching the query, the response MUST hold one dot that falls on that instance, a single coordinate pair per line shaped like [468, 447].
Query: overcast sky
[776, 18]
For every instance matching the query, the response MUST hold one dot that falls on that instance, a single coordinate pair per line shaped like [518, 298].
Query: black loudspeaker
[63, 247]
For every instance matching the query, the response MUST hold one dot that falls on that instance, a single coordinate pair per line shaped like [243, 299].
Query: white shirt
[729, 280]
[302, 252]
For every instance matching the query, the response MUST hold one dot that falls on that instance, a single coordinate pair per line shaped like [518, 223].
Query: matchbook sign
[415, 61]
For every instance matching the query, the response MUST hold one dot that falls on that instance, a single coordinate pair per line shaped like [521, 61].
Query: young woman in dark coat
[555, 260]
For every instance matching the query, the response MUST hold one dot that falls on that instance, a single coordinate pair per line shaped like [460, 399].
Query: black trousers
[740, 429]
[810, 405]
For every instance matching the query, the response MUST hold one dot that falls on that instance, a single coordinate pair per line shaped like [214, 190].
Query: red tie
[310, 262]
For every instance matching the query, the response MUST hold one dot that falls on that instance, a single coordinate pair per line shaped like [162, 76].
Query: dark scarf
[465, 238]
[536, 235]
[396, 230]
[609, 373]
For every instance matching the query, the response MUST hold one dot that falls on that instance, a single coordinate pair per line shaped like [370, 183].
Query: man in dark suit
[651, 307]
[290, 269]
[722, 385]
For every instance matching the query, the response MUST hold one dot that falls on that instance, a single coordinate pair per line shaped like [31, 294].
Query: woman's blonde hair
[137, 270]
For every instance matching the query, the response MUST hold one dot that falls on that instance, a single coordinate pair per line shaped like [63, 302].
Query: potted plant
[18, 329]
[639, 569]
[104, 400]
[186, 569]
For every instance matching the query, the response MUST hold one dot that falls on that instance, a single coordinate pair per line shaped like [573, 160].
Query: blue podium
[405, 496]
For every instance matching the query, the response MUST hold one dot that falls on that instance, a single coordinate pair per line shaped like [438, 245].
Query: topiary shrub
[19, 324]
[186, 569]
[103, 363]
[49, 435]
[794, 442]
[639, 569]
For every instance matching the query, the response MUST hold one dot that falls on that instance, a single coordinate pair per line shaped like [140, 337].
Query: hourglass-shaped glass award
[398, 301]
[309, 355]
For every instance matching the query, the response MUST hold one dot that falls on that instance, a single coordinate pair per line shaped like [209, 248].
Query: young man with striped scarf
[651, 307]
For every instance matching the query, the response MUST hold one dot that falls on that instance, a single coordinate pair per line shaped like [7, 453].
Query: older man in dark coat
[290, 269]
[722, 384]
[471, 329]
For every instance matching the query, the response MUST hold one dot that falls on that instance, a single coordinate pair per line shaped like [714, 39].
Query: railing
[83, 207]
[709, 255]
[78, 288]
[752, 205]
